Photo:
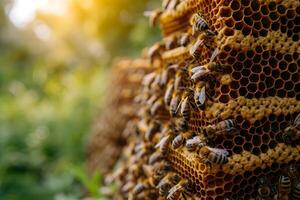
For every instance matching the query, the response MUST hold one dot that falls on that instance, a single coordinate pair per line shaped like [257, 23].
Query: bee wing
[202, 95]
[174, 66]
[297, 120]
[147, 169]
[178, 107]
[196, 69]
[148, 78]
[214, 55]
[198, 74]
[196, 46]
[189, 142]
[184, 104]
[164, 77]
[219, 151]
[173, 190]
[162, 141]
[155, 107]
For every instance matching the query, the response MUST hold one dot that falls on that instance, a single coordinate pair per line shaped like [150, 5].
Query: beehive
[111, 129]
[226, 85]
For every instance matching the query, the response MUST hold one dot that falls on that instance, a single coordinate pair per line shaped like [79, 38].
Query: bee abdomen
[296, 192]
[218, 159]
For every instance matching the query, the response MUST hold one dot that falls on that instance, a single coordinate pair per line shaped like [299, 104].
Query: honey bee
[178, 80]
[293, 171]
[292, 132]
[195, 50]
[224, 127]
[180, 139]
[214, 55]
[170, 42]
[166, 73]
[154, 51]
[264, 190]
[185, 108]
[177, 190]
[167, 182]
[156, 106]
[155, 157]
[200, 96]
[295, 193]
[153, 16]
[128, 186]
[184, 39]
[148, 79]
[160, 169]
[140, 154]
[174, 104]
[163, 144]
[195, 143]
[140, 187]
[156, 82]
[214, 155]
[153, 128]
[284, 185]
[169, 93]
[151, 100]
[215, 67]
[199, 72]
[208, 39]
[199, 24]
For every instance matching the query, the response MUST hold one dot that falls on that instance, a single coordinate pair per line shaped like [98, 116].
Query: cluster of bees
[206, 107]
[110, 132]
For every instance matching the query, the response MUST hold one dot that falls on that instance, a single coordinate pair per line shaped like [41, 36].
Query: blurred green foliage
[52, 88]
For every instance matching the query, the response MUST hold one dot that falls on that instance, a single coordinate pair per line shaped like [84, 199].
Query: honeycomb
[219, 114]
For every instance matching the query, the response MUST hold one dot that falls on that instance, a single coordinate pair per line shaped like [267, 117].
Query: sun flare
[22, 12]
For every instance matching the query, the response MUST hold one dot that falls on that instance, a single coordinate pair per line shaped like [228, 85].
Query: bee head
[262, 181]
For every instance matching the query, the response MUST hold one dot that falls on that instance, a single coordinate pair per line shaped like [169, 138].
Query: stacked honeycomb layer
[256, 86]
[109, 131]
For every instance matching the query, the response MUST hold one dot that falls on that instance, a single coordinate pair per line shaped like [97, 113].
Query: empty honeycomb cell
[235, 5]
[237, 15]
[256, 151]
[249, 22]
[239, 140]
[295, 77]
[272, 144]
[279, 83]
[248, 11]
[225, 12]
[281, 9]
[256, 16]
[239, 26]
[275, 26]
[264, 9]
[255, 6]
[252, 87]
[219, 191]
[237, 149]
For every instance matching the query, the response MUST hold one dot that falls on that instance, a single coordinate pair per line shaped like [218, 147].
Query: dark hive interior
[224, 79]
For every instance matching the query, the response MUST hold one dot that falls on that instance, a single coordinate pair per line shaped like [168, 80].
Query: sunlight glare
[23, 11]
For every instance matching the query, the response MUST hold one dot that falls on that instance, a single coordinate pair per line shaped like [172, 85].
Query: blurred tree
[52, 75]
